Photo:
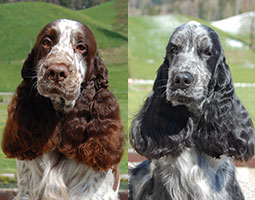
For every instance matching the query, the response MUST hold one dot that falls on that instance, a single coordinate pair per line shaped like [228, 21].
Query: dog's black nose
[182, 80]
[57, 72]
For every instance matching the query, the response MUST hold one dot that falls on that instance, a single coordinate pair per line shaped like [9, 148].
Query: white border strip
[244, 84]
[150, 82]
[140, 81]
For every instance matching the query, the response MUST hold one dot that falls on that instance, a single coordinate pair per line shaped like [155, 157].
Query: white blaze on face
[66, 44]
[68, 34]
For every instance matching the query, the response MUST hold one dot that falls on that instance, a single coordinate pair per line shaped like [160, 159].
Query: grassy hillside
[18, 33]
[21, 22]
[105, 20]
[98, 13]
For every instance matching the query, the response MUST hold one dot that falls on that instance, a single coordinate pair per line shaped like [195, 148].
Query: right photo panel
[191, 94]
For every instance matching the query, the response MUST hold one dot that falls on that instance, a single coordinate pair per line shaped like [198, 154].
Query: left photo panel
[64, 100]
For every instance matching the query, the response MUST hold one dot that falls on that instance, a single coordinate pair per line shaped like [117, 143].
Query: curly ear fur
[91, 133]
[101, 80]
[225, 127]
[95, 120]
[160, 128]
[24, 137]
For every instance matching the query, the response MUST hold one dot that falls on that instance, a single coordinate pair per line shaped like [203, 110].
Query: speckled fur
[52, 177]
[188, 59]
[192, 175]
[63, 52]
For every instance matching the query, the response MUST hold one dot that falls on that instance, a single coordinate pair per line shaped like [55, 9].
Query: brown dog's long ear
[31, 126]
[104, 145]
[31, 121]
[101, 73]
[92, 132]
[28, 72]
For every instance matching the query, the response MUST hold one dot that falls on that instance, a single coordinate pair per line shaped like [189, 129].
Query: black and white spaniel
[191, 125]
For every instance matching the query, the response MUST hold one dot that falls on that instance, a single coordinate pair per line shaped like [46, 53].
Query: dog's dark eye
[174, 49]
[82, 49]
[206, 53]
[46, 43]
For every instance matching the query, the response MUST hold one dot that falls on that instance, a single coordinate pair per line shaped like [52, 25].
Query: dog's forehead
[66, 28]
[67, 25]
[64, 31]
[191, 31]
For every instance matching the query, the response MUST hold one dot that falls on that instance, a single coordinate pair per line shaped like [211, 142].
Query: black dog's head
[193, 102]
[191, 59]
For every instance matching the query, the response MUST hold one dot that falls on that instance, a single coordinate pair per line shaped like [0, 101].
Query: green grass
[21, 22]
[118, 84]
[247, 97]
[26, 24]
[6, 165]
[10, 75]
[242, 65]
[136, 97]
[105, 19]
[98, 13]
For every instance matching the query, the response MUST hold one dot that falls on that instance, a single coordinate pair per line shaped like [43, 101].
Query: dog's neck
[193, 175]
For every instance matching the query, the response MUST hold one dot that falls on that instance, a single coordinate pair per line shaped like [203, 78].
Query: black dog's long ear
[159, 128]
[226, 127]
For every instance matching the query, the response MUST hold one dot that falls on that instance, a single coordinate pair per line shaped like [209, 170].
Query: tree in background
[64, 3]
[252, 30]
[90, 3]
[121, 19]
[248, 28]
[205, 9]
[73, 4]
[221, 8]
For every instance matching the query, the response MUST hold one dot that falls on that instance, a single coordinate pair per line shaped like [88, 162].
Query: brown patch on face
[92, 49]
[47, 32]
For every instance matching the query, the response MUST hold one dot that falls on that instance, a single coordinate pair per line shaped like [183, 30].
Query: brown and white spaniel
[63, 123]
